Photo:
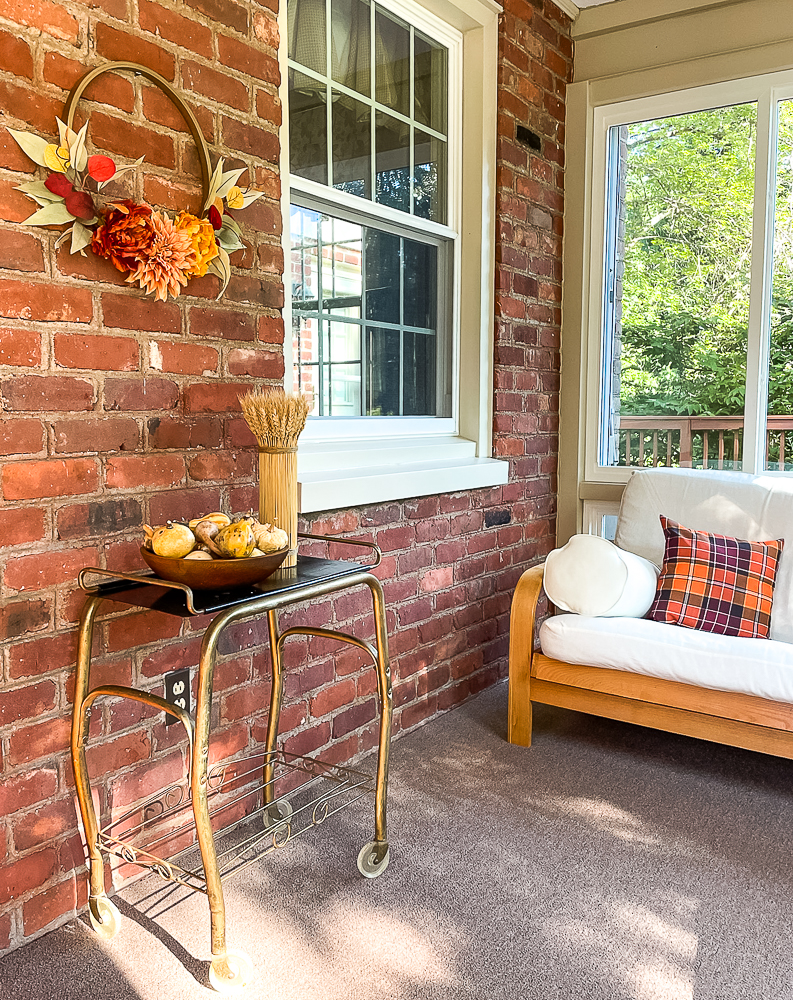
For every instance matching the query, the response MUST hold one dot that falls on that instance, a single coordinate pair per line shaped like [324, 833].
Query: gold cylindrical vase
[278, 493]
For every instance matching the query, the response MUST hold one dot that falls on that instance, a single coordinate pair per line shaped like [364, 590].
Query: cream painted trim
[614, 16]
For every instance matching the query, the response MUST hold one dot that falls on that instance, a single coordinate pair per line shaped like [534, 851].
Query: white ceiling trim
[568, 7]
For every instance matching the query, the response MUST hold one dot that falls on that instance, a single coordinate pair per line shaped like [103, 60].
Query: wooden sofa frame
[738, 720]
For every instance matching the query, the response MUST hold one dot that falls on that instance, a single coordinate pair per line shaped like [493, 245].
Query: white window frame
[346, 462]
[766, 90]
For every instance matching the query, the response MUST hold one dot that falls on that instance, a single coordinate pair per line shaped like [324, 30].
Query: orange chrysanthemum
[202, 236]
[125, 235]
[168, 262]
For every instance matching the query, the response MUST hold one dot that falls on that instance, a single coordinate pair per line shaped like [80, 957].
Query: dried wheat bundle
[275, 418]
[276, 421]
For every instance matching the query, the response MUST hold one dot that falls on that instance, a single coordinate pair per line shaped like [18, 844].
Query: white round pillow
[592, 576]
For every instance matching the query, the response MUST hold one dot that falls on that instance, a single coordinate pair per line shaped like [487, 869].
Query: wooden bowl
[219, 574]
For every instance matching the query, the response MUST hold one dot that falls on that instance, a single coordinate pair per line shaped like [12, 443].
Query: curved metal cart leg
[229, 971]
[103, 914]
[274, 815]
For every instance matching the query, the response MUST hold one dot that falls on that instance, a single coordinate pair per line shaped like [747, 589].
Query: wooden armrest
[521, 648]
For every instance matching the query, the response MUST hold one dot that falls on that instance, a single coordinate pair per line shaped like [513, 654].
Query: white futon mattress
[761, 667]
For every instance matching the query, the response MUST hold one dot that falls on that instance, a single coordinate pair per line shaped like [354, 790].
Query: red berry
[58, 184]
[101, 168]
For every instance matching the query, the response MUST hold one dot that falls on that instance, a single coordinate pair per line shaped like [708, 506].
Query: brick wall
[119, 411]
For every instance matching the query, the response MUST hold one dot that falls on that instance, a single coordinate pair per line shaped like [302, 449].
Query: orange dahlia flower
[202, 236]
[125, 235]
[169, 261]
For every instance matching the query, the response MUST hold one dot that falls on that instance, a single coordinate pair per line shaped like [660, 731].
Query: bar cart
[292, 793]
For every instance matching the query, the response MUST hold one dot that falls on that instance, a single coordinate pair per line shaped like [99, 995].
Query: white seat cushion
[760, 667]
[757, 508]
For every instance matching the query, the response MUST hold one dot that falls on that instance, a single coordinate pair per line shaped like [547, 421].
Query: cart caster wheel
[373, 859]
[104, 916]
[231, 973]
[277, 814]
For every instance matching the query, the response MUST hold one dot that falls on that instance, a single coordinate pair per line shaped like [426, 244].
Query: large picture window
[372, 251]
[696, 311]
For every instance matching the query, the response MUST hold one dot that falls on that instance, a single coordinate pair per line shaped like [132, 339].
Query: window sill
[357, 472]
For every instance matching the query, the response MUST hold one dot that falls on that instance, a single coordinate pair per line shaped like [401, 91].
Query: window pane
[419, 367]
[342, 343]
[429, 178]
[677, 290]
[430, 88]
[383, 372]
[306, 27]
[392, 161]
[382, 276]
[421, 285]
[308, 150]
[351, 53]
[779, 438]
[352, 162]
[392, 63]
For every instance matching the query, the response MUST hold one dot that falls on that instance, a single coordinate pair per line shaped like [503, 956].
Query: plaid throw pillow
[715, 583]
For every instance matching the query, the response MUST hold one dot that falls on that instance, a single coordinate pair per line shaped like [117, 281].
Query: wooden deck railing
[700, 442]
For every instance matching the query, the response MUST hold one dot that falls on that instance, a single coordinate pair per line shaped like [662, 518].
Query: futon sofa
[727, 689]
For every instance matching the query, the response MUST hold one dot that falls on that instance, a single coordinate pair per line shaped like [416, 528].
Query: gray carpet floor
[607, 862]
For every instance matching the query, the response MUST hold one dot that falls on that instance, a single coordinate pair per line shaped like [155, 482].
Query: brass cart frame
[312, 578]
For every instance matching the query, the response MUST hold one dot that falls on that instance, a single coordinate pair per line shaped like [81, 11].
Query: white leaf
[214, 183]
[249, 197]
[77, 153]
[32, 145]
[221, 266]
[232, 224]
[63, 237]
[120, 171]
[50, 215]
[229, 241]
[229, 179]
[39, 193]
[81, 237]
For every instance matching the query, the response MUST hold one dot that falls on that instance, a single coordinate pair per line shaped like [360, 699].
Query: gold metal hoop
[190, 119]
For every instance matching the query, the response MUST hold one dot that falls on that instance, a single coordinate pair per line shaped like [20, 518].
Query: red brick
[119, 136]
[49, 17]
[265, 217]
[132, 787]
[130, 312]
[21, 437]
[44, 739]
[21, 251]
[42, 655]
[5, 931]
[437, 579]
[183, 504]
[48, 393]
[268, 107]
[233, 15]
[40, 302]
[97, 434]
[27, 873]
[103, 353]
[20, 347]
[221, 465]
[244, 702]
[259, 364]
[226, 323]
[15, 55]
[145, 470]
[226, 743]
[121, 45]
[90, 267]
[47, 569]
[31, 106]
[111, 88]
[173, 432]
[265, 29]
[103, 517]
[354, 718]
[49, 905]
[50, 478]
[20, 525]
[332, 698]
[217, 86]
[112, 756]
[308, 740]
[253, 141]
[271, 329]
[215, 397]
[15, 206]
[26, 789]
[174, 197]
[140, 394]
[27, 702]
[248, 59]
[140, 629]
[18, 618]
[184, 359]
[187, 34]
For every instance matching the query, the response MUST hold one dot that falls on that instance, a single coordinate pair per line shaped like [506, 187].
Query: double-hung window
[375, 252]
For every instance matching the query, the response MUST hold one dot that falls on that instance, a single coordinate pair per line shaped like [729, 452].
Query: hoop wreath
[157, 252]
